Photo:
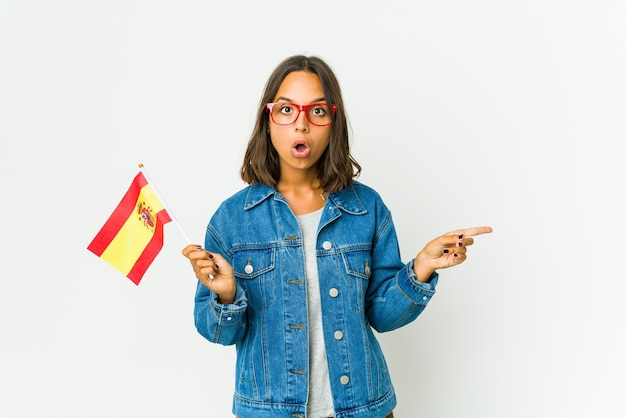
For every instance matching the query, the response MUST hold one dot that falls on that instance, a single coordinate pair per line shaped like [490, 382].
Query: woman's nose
[302, 123]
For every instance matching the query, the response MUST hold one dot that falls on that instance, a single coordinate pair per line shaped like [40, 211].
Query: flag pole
[145, 173]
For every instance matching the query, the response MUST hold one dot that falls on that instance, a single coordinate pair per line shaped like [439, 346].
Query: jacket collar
[347, 199]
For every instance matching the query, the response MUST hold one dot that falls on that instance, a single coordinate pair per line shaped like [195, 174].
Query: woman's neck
[303, 197]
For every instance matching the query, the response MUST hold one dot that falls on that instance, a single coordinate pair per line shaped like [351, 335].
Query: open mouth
[300, 150]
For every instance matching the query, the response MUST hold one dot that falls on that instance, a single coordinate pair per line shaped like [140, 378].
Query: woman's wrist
[226, 299]
[422, 274]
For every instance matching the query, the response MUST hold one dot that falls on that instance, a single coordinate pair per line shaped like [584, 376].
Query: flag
[132, 237]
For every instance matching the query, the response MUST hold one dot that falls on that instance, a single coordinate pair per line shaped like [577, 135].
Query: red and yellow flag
[132, 237]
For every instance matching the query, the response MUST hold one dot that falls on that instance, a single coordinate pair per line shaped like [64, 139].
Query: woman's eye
[319, 111]
[286, 109]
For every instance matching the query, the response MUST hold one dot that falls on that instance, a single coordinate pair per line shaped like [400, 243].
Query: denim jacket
[364, 286]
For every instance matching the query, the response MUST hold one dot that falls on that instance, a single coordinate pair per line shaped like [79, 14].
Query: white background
[501, 113]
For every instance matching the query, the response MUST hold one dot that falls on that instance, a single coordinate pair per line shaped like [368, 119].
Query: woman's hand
[445, 251]
[213, 271]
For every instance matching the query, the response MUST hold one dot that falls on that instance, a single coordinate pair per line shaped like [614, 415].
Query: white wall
[506, 113]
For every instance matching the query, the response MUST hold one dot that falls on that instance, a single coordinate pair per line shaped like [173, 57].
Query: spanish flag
[132, 237]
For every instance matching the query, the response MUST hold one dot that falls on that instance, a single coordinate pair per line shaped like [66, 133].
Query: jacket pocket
[255, 270]
[358, 269]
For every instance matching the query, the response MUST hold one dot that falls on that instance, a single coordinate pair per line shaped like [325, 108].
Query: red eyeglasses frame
[300, 108]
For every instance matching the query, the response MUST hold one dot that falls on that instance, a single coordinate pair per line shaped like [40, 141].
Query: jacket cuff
[419, 292]
[231, 313]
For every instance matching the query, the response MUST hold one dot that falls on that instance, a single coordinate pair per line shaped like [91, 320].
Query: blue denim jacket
[364, 285]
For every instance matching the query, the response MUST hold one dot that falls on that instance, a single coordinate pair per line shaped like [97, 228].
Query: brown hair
[336, 168]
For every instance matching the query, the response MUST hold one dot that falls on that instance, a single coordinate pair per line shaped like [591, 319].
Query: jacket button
[338, 335]
[327, 245]
[333, 292]
[344, 379]
[248, 269]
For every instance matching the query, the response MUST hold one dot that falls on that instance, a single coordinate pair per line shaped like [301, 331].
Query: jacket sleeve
[217, 322]
[394, 296]
[224, 324]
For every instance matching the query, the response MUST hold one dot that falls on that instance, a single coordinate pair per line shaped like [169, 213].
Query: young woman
[301, 265]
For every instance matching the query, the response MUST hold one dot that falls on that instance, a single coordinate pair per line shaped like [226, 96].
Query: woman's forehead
[301, 87]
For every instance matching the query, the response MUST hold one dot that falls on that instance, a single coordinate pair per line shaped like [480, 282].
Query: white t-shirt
[320, 402]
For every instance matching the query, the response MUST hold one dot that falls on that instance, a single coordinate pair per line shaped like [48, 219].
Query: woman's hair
[336, 168]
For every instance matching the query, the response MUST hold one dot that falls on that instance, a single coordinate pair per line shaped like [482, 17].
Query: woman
[301, 265]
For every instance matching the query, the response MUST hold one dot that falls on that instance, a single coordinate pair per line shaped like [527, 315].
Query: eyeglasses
[284, 113]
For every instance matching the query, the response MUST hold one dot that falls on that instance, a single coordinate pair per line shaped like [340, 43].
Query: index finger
[469, 232]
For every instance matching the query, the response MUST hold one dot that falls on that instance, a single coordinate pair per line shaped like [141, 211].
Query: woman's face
[300, 144]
